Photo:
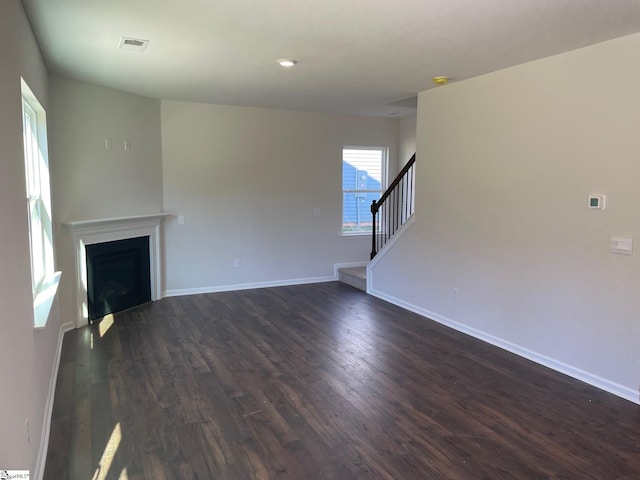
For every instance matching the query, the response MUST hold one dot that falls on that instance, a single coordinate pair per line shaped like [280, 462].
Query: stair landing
[354, 276]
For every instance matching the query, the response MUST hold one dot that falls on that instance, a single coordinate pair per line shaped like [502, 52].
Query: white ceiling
[355, 56]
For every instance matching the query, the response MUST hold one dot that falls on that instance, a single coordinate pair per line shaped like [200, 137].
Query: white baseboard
[245, 286]
[48, 408]
[589, 378]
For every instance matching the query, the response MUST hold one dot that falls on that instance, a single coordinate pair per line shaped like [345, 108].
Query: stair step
[354, 276]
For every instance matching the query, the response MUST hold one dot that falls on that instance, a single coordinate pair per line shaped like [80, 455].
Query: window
[43, 278]
[364, 171]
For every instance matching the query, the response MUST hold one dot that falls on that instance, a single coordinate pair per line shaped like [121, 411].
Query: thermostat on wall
[597, 202]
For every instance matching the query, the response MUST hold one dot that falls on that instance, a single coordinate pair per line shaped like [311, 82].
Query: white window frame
[384, 153]
[44, 278]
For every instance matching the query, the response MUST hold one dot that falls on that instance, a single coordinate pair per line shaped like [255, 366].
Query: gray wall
[91, 182]
[27, 355]
[406, 138]
[247, 181]
[506, 163]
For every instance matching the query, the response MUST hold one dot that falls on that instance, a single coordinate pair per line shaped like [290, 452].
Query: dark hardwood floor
[320, 382]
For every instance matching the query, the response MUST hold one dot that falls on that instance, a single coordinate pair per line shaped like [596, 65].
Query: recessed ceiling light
[286, 62]
[440, 80]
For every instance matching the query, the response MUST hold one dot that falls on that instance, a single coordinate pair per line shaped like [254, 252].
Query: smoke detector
[135, 44]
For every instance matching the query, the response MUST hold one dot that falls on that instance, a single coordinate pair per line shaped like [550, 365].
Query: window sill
[43, 300]
[355, 235]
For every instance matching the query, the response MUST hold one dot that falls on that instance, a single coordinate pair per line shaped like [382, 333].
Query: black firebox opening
[118, 276]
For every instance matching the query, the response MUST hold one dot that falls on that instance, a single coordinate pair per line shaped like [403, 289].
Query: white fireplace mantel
[89, 232]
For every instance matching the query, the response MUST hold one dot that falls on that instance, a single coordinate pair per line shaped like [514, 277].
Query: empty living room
[335, 240]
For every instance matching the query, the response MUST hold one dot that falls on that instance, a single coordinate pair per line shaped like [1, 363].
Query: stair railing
[393, 208]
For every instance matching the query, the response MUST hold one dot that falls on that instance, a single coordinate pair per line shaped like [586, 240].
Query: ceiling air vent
[134, 44]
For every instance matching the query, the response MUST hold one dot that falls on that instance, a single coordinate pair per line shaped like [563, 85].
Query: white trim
[396, 236]
[338, 266]
[386, 247]
[245, 286]
[48, 408]
[589, 378]
[43, 300]
[359, 235]
[384, 181]
[89, 232]
[38, 182]
[105, 223]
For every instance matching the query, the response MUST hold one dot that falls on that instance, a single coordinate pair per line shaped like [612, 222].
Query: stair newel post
[374, 212]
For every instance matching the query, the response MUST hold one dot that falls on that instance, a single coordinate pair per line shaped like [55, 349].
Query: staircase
[354, 276]
[395, 207]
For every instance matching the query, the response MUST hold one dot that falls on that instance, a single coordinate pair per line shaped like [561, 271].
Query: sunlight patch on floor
[109, 453]
[105, 324]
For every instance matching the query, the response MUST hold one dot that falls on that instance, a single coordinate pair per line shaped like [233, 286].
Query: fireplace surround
[97, 231]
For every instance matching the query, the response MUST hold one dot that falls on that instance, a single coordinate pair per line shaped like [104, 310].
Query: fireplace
[89, 233]
[117, 276]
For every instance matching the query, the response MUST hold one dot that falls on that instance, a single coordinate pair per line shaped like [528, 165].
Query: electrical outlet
[26, 427]
[456, 294]
[236, 263]
[180, 219]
